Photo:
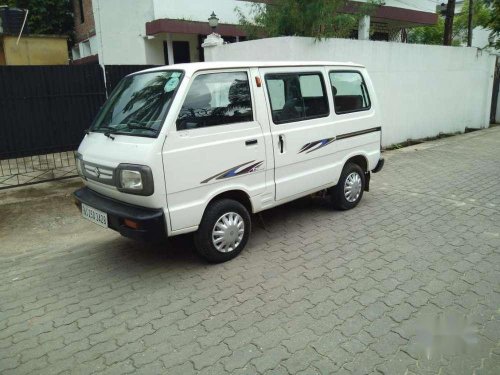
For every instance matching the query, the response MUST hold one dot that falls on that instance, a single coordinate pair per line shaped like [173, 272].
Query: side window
[216, 99]
[276, 89]
[349, 92]
[296, 96]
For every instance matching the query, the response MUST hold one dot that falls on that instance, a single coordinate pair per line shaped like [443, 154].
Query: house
[29, 49]
[157, 32]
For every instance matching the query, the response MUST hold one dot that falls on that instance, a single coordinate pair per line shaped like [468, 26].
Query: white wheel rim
[228, 232]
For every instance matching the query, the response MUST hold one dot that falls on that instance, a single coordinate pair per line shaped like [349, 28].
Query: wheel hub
[228, 232]
[352, 187]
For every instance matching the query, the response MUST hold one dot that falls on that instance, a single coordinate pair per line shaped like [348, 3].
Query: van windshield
[139, 104]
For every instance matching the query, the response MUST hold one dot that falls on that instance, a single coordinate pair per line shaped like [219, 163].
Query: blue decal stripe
[316, 145]
[248, 167]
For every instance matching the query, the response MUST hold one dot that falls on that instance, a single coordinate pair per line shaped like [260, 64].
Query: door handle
[281, 143]
[251, 142]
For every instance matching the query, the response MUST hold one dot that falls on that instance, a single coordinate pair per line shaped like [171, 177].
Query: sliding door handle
[251, 142]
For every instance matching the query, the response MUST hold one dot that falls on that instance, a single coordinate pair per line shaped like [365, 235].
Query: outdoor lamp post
[213, 21]
[214, 39]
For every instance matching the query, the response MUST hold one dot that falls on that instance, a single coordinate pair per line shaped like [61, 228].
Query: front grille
[99, 173]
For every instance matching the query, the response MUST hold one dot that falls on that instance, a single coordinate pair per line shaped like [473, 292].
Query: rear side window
[216, 99]
[349, 92]
[296, 96]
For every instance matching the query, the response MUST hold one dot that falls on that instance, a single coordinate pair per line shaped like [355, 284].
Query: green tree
[434, 34]
[312, 18]
[427, 34]
[493, 23]
[480, 17]
[46, 16]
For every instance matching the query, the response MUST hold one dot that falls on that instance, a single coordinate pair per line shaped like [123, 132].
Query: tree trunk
[469, 23]
[448, 23]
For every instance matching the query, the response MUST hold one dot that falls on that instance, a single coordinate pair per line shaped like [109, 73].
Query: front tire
[349, 190]
[223, 231]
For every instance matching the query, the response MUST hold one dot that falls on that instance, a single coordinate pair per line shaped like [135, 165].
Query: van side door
[302, 129]
[215, 145]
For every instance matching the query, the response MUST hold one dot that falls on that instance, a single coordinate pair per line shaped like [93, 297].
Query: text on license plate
[94, 215]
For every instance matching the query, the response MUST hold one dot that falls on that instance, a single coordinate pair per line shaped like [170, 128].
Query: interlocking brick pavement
[407, 283]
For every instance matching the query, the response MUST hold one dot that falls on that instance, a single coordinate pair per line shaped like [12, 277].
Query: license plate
[95, 216]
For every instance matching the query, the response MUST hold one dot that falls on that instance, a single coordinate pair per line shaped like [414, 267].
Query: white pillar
[170, 50]
[364, 28]
[80, 50]
[210, 43]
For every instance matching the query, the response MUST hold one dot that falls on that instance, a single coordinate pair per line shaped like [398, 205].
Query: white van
[199, 147]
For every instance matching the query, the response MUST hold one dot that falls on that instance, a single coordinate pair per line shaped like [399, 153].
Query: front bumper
[151, 222]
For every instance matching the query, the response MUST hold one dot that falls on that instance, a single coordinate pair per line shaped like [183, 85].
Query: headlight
[130, 179]
[134, 179]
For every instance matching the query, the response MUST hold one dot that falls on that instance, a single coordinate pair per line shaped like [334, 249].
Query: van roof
[194, 67]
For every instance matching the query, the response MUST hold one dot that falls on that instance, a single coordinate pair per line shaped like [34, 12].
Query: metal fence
[37, 168]
[44, 111]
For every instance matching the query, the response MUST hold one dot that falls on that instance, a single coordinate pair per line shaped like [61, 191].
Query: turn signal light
[131, 224]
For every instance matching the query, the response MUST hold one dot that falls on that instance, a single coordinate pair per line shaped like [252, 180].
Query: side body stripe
[316, 145]
[360, 132]
[248, 167]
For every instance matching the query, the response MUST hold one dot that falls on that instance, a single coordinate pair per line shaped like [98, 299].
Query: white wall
[121, 26]
[120, 30]
[422, 90]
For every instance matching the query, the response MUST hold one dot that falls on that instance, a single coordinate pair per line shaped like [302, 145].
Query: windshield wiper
[109, 131]
[137, 126]
[118, 129]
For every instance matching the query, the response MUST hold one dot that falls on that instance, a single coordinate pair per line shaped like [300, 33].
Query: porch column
[170, 50]
[364, 28]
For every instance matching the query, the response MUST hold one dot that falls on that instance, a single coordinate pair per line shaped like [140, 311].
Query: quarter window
[296, 96]
[216, 99]
[349, 92]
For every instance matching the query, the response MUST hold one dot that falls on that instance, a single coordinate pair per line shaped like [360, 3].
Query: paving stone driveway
[406, 283]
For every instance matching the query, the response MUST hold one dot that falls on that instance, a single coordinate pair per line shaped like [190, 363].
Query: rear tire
[223, 231]
[349, 190]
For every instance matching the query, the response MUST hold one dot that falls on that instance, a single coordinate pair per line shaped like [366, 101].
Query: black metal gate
[44, 111]
[496, 88]
[114, 73]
